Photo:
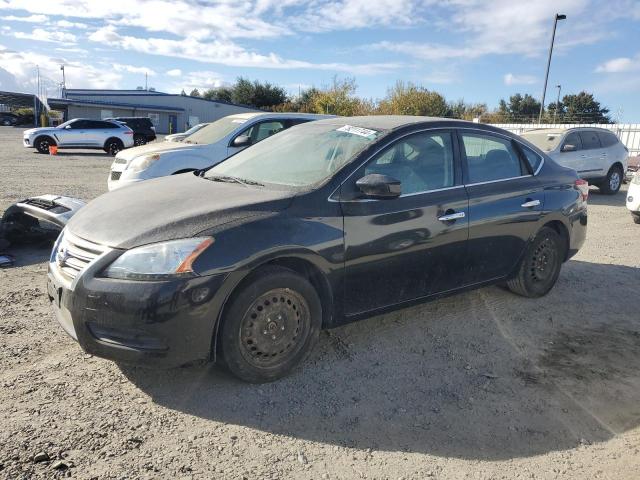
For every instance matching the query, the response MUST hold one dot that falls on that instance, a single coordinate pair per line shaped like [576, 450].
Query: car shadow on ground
[483, 375]
[25, 255]
[617, 200]
[78, 153]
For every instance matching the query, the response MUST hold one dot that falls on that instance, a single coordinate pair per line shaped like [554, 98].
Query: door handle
[451, 217]
[530, 203]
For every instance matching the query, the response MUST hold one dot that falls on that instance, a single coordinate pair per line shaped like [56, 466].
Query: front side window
[262, 130]
[422, 162]
[574, 140]
[490, 158]
[590, 140]
[298, 157]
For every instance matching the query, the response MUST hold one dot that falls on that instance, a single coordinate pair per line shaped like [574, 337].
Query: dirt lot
[481, 385]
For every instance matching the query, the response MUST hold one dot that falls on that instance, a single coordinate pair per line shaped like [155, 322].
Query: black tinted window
[78, 124]
[532, 157]
[607, 139]
[421, 162]
[490, 158]
[590, 140]
[573, 139]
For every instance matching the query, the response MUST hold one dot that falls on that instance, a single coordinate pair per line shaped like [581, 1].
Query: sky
[476, 50]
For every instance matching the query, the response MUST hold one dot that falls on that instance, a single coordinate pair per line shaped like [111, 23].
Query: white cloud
[29, 19]
[176, 72]
[511, 79]
[222, 52]
[202, 80]
[41, 35]
[620, 65]
[119, 67]
[21, 66]
[68, 24]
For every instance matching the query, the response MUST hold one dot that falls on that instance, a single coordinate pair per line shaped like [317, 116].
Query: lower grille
[74, 254]
[116, 175]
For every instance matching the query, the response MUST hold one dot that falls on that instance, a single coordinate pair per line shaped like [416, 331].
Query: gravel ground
[481, 385]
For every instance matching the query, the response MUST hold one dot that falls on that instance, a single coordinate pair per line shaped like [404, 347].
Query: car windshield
[301, 156]
[216, 131]
[195, 128]
[68, 122]
[545, 141]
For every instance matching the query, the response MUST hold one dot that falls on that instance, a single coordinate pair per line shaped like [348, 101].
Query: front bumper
[26, 142]
[119, 182]
[159, 324]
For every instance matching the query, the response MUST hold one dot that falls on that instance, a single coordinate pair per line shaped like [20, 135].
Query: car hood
[41, 130]
[170, 208]
[162, 147]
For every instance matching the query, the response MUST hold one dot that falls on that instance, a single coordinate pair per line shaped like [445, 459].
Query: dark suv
[143, 129]
[8, 119]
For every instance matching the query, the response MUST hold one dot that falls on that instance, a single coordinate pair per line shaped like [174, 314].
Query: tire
[113, 146]
[636, 218]
[270, 325]
[611, 184]
[42, 144]
[6, 123]
[139, 140]
[540, 267]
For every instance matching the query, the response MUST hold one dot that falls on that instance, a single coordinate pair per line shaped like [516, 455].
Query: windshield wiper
[230, 179]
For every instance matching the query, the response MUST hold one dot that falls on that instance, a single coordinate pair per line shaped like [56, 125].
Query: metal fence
[628, 133]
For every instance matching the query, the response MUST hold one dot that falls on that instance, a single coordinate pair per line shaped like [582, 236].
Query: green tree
[583, 108]
[337, 99]
[520, 108]
[194, 93]
[224, 94]
[466, 111]
[410, 99]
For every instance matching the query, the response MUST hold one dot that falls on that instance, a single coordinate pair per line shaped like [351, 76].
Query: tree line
[405, 98]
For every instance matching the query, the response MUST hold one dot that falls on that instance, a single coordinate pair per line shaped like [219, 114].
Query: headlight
[158, 261]
[142, 163]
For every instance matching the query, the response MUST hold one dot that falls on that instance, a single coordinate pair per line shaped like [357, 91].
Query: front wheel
[270, 325]
[613, 181]
[113, 146]
[42, 144]
[540, 266]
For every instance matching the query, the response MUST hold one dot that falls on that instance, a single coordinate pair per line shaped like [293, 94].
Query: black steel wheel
[139, 140]
[270, 325]
[113, 146]
[42, 144]
[540, 266]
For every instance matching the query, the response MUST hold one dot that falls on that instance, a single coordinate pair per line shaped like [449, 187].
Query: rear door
[400, 249]
[505, 203]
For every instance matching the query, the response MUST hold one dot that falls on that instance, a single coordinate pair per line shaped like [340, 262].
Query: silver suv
[597, 154]
[110, 136]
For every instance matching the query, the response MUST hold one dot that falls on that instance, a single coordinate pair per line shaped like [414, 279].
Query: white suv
[595, 153]
[110, 136]
[204, 148]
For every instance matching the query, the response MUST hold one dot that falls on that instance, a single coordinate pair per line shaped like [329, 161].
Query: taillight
[128, 133]
[583, 187]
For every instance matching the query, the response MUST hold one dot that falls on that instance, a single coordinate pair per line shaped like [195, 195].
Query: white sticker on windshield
[363, 132]
[238, 121]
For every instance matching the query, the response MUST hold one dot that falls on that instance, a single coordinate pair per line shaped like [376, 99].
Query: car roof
[252, 115]
[564, 130]
[394, 122]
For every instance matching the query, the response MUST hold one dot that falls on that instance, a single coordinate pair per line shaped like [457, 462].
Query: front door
[408, 247]
[505, 204]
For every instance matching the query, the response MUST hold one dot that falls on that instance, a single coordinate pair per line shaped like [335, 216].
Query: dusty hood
[131, 153]
[41, 130]
[169, 208]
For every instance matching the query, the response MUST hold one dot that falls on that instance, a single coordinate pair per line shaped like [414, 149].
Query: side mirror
[241, 141]
[567, 147]
[379, 186]
[68, 127]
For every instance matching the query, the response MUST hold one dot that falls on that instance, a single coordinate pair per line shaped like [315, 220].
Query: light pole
[546, 77]
[559, 87]
[64, 83]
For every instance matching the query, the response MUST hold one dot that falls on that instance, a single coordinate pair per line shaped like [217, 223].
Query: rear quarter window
[532, 157]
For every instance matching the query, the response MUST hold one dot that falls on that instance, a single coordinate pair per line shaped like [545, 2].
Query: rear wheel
[611, 184]
[42, 144]
[139, 140]
[270, 325]
[540, 266]
[113, 146]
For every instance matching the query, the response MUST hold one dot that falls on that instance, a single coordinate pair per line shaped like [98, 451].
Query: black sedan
[325, 223]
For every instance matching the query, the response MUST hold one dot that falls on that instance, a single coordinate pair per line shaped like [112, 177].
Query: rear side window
[490, 158]
[590, 140]
[533, 158]
[607, 139]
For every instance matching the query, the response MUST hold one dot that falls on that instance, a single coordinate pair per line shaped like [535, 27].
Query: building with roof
[170, 113]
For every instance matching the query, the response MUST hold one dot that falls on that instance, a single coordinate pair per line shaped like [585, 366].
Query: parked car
[633, 166]
[8, 119]
[596, 154]
[143, 129]
[322, 224]
[106, 135]
[178, 137]
[208, 146]
[633, 197]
